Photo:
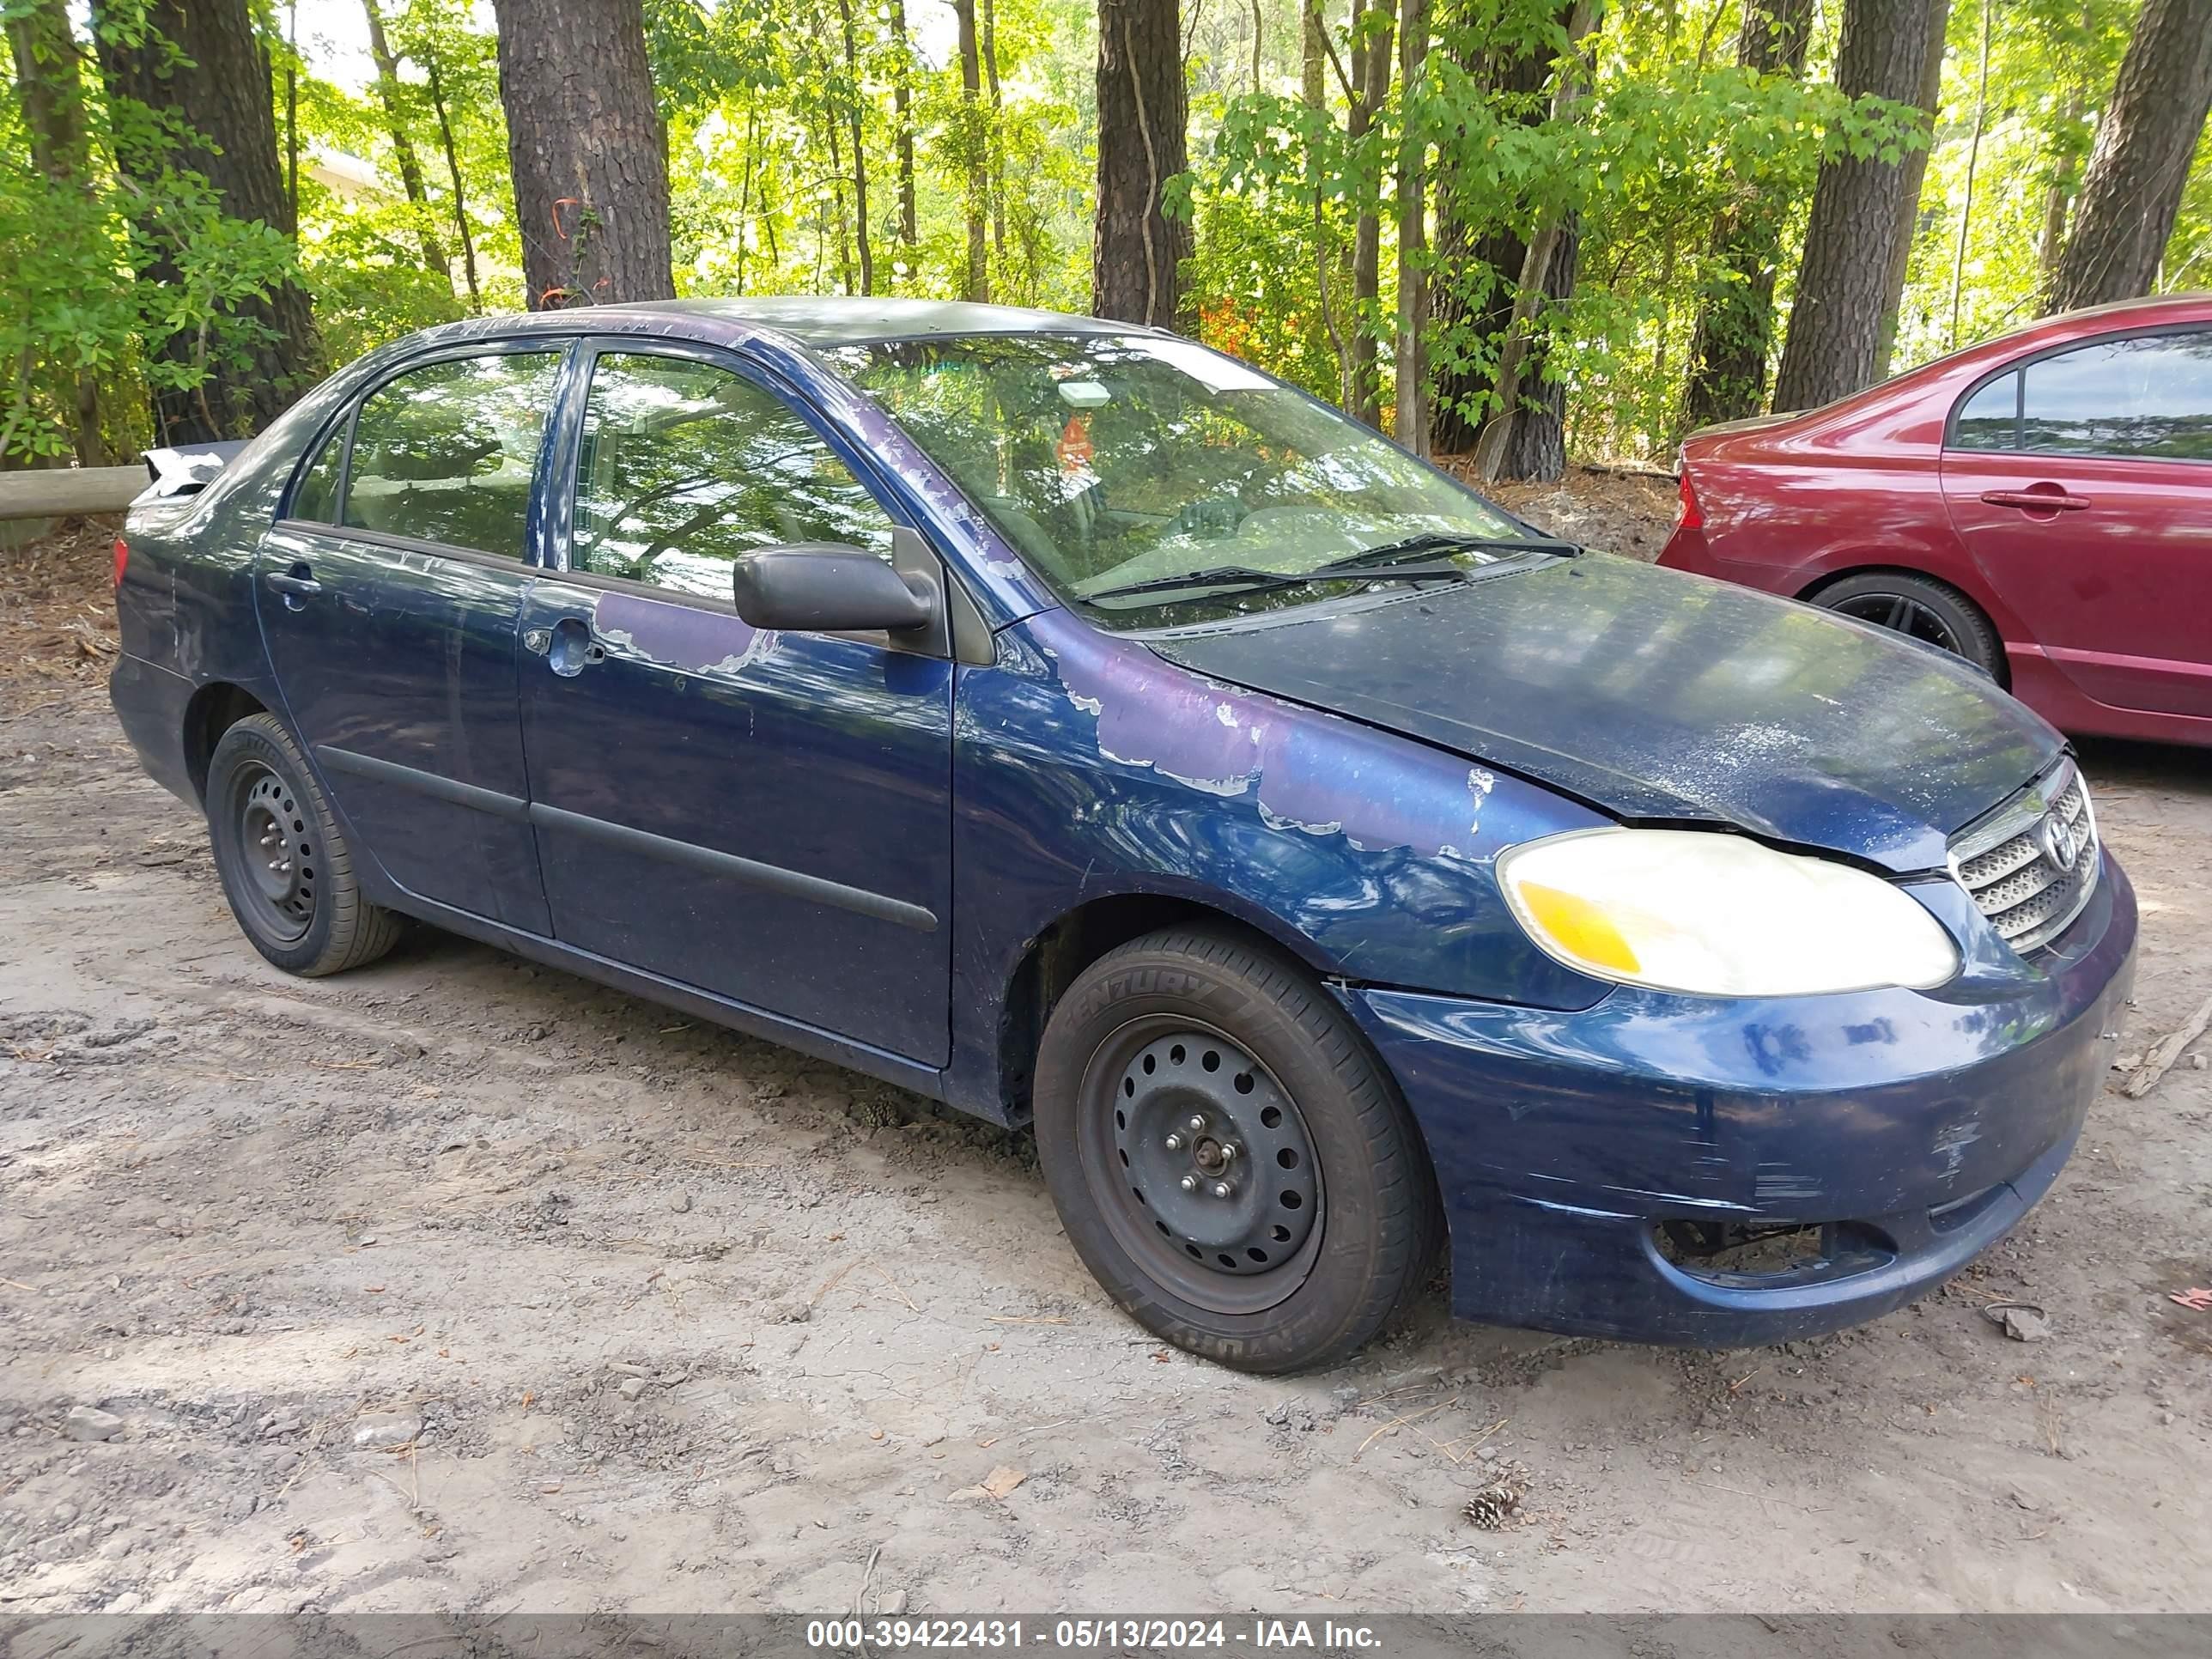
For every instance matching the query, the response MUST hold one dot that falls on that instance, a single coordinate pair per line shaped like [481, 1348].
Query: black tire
[284, 865]
[1357, 1245]
[1926, 610]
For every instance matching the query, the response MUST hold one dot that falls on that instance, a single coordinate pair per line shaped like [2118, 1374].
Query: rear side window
[2148, 396]
[685, 467]
[447, 452]
[316, 500]
[1991, 419]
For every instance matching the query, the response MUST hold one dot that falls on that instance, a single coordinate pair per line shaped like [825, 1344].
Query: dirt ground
[459, 1284]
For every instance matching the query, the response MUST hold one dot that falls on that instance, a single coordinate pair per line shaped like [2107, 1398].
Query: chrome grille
[2032, 865]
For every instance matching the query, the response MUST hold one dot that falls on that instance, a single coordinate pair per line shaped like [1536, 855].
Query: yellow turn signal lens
[1579, 927]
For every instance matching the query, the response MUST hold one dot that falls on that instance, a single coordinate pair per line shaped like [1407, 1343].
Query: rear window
[447, 453]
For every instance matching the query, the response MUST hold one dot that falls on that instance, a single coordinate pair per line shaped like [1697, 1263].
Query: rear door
[766, 817]
[2080, 481]
[390, 592]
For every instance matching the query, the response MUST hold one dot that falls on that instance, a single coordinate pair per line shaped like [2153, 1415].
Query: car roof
[839, 320]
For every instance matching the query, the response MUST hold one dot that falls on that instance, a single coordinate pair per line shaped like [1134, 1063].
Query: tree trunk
[1846, 285]
[1314, 54]
[2057, 198]
[855, 108]
[1734, 333]
[1973, 163]
[994, 154]
[224, 95]
[50, 83]
[1547, 273]
[1535, 445]
[1410, 423]
[585, 142]
[1137, 252]
[974, 145]
[903, 113]
[2131, 190]
[1908, 197]
[453, 174]
[1471, 294]
[403, 147]
[1371, 86]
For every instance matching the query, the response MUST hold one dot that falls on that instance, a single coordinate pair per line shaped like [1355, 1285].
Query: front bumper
[1912, 1129]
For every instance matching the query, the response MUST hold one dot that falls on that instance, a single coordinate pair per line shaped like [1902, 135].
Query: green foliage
[74, 316]
[1675, 169]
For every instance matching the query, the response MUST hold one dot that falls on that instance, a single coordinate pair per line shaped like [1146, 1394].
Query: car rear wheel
[285, 866]
[1923, 609]
[1228, 1158]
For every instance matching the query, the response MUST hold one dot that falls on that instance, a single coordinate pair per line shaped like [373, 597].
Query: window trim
[562, 347]
[2021, 365]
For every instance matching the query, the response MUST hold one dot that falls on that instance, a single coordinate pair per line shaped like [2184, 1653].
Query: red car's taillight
[1691, 517]
[122, 559]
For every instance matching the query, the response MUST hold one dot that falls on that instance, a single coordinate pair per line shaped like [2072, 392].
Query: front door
[2082, 484]
[766, 817]
[389, 594]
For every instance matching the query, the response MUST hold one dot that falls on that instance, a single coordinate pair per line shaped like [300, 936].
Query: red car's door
[2080, 482]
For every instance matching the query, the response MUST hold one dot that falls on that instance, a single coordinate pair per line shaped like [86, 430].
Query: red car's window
[2146, 396]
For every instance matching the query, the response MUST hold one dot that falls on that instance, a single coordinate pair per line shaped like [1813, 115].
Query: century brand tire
[284, 864]
[1296, 1223]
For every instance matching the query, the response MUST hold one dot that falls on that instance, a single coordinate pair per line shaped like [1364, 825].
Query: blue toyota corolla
[1065, 722]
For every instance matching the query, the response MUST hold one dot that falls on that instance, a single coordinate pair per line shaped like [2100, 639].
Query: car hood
[1657, 697]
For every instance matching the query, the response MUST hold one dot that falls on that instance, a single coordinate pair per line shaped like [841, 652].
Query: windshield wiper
[1243, 577]
[1246, 579]
[1447, 541]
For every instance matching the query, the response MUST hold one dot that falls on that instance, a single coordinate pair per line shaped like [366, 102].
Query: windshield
[1115, 461]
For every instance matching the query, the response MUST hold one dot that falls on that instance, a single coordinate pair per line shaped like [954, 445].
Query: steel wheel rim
[1156, 1178]
[275, 854]
[1900, 613]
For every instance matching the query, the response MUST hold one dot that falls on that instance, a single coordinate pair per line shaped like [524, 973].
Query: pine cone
[1488, 1507]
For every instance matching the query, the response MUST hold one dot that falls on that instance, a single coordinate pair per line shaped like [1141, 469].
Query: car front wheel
[284, 864]
[1228, 1156]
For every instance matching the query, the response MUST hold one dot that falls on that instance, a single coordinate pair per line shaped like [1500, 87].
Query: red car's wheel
[1923, 610]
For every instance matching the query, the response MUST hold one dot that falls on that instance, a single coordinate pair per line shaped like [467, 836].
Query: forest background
[1516, 230]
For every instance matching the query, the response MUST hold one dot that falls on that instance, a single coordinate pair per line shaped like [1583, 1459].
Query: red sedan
[2041, 504]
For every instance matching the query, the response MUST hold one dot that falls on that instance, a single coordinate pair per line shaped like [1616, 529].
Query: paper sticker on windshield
[1209, 368]
[1074, 447]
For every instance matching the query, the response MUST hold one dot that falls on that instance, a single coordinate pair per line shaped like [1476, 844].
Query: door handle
[2036, 501]
[296, 584]
[570, 647]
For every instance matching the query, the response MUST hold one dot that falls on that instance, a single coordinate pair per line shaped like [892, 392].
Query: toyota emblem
[2059, 844]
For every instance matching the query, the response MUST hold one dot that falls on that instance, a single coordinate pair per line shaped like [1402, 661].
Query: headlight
[1716, 914]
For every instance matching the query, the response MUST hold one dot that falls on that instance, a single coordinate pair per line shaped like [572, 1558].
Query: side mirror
[824, 587]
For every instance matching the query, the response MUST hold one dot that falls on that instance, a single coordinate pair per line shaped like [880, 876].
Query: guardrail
[56, 492]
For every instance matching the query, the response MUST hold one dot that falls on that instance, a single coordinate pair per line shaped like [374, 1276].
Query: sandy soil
[456, 1283]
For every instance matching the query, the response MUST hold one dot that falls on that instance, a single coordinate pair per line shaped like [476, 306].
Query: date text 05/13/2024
[1092, 1635]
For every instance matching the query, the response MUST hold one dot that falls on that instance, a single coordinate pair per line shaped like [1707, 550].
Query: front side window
[1113, 460]
[447, 452]
[2148, 396]
[685, 467]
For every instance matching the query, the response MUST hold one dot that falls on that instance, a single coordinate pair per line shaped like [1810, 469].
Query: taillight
[122, 559]
[1691, 517]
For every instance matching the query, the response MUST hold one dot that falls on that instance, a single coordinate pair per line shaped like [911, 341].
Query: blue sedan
[1073, 724]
